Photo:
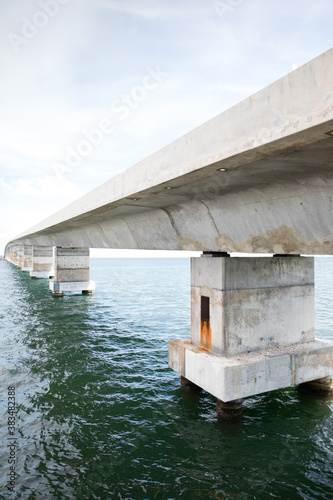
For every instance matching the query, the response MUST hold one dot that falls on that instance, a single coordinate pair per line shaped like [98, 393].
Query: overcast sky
[90, 87]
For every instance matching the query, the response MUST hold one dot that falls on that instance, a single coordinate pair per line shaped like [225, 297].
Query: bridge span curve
[256, 178]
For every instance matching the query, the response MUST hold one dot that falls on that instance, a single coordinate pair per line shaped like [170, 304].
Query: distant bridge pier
[20, 256]
[10, 254]
[71, 271]
[42, 262]
[13, 257]
[26, 258]
[252, 329]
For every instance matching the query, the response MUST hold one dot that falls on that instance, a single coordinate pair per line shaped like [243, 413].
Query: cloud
[24, 201]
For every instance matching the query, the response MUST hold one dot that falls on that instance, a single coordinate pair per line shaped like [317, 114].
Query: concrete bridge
[257, 178]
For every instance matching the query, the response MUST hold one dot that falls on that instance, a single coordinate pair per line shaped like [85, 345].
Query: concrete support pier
[26, 258]
[71, 271]
[42, 262]
[11, 255]
[252, 328]
[15, 256]
[21, 256]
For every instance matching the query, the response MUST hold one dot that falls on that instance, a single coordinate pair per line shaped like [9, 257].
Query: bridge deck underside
[277, 204]
[256, 178]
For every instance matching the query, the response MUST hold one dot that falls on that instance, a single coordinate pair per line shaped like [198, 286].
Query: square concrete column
[71, 271]
[241, 305]
[10, 255]
[42, 262]
[24, 257]
[252, 327]
[27, 258]
[15, 255]
[20, 256]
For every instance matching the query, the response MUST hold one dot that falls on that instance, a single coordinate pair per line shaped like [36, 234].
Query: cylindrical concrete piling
[230, 409]
[184, 382]
[321, 386]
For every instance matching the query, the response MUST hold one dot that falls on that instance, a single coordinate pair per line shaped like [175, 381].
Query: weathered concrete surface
[252, 328]
[27, 258]
[254, 303]
[21, 256]
[177, 355]
[71, 264]
[237, 377]
[71, 271]
[42, 262]
[12, 255]
[274, 195]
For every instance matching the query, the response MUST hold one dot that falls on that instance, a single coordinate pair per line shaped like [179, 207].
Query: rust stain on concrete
[284, 240]
[206, 335]
[188, 243]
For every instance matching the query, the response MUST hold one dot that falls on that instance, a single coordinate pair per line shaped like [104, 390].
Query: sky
[88, 88]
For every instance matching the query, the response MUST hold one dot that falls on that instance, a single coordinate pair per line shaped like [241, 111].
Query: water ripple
[101, 416]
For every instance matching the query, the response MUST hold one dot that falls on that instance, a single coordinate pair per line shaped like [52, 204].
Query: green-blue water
[100, 415]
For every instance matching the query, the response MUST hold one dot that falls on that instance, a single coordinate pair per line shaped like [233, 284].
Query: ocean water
[100, 415]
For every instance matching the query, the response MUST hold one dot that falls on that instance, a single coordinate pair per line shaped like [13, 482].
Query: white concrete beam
[256, 178]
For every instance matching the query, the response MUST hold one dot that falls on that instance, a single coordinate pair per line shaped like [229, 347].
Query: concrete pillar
[241, 305]
[14, 255]
[20, 256]
[42, 262]
[321, 386]
[252, 327]
[71, 271]
[27, 258]
[9, 254]
[184, 382]
[231, 409]
[17, 255]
